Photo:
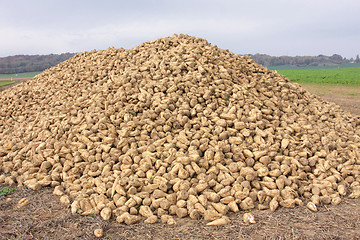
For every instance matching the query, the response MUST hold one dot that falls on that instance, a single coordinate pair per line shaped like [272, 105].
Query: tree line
[38, 63]
[31, 63]
[267, 60]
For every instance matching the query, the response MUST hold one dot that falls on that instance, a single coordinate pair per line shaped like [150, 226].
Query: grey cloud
[273, 27]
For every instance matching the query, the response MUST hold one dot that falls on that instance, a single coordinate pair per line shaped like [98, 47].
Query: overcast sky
[276, 27]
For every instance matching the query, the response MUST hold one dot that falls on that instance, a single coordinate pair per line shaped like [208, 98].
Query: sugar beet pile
[177, 127]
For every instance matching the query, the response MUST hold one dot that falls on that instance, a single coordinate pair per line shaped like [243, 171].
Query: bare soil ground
[348, 97]
[46, 218]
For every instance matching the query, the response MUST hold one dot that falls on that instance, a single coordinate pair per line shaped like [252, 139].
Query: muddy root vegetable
[311, 206]
[249, 218]
[218, 222]
[98, 232]
[22, 203]
[175, 128]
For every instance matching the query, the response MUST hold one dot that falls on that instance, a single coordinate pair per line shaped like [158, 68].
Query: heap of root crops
[175, 127]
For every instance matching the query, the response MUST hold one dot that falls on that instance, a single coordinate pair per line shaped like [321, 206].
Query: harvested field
[348, 97]
[46, 218]
[179, 132]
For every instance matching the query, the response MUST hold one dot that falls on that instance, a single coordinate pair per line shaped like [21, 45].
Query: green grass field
[320, 66]
[4, 83]
[19, 75]
[342, 76]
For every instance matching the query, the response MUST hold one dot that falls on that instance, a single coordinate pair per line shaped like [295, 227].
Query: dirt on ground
[46, 218]
[348, 97]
